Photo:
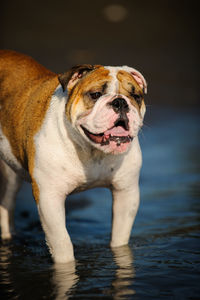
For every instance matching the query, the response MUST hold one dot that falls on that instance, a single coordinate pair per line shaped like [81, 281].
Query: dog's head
[105, 104]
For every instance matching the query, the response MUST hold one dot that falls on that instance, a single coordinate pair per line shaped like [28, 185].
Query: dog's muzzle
[120, 106]
[119, 133]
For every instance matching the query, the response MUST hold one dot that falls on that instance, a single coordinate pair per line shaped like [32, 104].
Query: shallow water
[163, 258]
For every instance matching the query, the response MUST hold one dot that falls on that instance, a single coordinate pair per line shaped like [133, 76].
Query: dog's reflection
[122, 285]
[5, 254]
[64, 279]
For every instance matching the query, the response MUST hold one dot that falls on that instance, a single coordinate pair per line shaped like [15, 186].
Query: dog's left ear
[71, 77]
[139, 78]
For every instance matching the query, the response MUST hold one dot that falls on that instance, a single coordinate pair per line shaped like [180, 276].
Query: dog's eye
[137, 98]
[95, 95]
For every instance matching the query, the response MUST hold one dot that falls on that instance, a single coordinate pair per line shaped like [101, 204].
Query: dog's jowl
[54, 131]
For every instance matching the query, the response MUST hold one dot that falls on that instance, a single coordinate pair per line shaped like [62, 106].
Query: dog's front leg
[51, 207]
[125, 206]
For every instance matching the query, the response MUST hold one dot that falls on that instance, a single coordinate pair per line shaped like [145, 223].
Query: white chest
[60, 161]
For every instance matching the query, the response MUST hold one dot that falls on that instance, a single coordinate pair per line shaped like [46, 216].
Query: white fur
[115, 83]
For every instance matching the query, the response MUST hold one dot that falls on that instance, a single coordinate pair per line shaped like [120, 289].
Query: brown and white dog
[66, 133]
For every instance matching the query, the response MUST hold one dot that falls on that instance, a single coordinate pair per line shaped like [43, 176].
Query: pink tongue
[116, 131]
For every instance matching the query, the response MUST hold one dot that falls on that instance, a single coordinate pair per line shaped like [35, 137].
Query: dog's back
[21, 111]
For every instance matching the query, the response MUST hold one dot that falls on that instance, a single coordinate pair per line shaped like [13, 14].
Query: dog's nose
[120, 105]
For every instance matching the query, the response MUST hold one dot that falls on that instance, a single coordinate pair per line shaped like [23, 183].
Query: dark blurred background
[159, 38]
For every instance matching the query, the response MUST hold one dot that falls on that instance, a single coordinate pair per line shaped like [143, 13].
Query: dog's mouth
[118, 133]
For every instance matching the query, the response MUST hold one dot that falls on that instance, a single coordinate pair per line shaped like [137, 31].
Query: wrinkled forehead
[95, 79]
[110, 78]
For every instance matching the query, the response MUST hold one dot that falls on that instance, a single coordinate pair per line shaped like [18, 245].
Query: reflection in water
[5, 253]
[123, 282]
[20, 275]
[64, 279]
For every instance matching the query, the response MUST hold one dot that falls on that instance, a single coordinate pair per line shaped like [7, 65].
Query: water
[163, 258]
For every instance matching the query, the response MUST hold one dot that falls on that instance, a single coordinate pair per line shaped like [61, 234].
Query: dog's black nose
[120, 105]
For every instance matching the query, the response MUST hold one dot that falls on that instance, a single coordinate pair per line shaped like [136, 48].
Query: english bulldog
[67, 133]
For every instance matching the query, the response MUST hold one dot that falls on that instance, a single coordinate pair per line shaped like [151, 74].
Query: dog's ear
[139, 78]
[71, 77]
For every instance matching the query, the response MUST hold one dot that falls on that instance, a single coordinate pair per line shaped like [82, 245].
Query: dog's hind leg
[9, 186]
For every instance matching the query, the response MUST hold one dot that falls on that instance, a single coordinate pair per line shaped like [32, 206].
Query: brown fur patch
[26, 88]
[127, 84]
[93, 81]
